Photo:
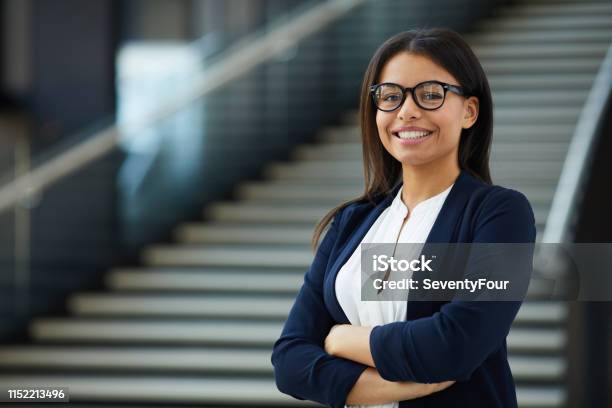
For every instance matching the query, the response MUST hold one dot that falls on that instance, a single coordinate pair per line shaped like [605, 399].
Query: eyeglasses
[428, 95]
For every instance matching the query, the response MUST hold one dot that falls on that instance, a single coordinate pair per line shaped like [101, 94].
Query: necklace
[388, 271]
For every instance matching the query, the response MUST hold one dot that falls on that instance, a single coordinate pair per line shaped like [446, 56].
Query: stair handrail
[568, 195]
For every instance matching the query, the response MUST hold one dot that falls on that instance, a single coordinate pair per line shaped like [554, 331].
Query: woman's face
[445, 123]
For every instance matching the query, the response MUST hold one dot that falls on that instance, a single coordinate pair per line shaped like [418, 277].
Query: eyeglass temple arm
[455, 89]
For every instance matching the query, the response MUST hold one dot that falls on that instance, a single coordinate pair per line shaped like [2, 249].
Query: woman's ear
[471, 112]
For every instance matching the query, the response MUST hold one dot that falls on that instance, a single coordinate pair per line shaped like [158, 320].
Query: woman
[426, 120]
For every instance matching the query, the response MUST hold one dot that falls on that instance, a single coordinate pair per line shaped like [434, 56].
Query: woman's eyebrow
[404, 85]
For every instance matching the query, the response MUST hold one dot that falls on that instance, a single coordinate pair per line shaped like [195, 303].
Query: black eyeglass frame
[447, 87]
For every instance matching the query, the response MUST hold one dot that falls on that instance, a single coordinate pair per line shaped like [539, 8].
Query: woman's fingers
[436, 387]
[427, 389]
[444, 385]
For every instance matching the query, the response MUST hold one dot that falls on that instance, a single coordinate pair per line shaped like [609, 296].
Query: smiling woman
[426, 121]
[429, 118]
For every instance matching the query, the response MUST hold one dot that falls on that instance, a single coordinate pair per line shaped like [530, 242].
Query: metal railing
[568, 195]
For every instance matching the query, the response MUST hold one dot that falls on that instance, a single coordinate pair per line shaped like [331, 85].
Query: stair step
[574, 82]
[542, 312]
[270, 191]
[574, 97]
[537, 340]
[157, 279]
[129, 358]
[310, 215]
[542, 23]
[558, 115]
[577, 65]
[227, 333]
[144, 332]
[541, 51]
[535, 134]
[117, 305]
[246, 306]
[265, 213]
[571, 9]
[211, 360]
[540, 397]
[253, 234]
[340, 134]
[228, 255]
[532, 368]
[520, 154]
[567, 36]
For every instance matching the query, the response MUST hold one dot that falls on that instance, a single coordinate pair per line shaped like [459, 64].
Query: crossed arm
[353, 343]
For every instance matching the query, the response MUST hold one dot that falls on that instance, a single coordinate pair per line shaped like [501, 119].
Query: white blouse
[385, 230]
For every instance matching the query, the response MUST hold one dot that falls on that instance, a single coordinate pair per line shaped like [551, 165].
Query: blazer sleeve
[302, 368]
[452, 343]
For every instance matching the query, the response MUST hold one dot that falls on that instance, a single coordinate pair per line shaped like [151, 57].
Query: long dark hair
[449, 50]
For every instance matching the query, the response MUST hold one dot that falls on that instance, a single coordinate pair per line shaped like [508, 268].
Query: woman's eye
[432, 96]
[391, 98]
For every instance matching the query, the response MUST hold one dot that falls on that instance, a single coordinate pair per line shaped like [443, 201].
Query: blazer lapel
[351, 246]
[444, 231]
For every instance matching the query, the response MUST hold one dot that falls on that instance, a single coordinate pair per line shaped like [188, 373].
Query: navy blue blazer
[457, 340]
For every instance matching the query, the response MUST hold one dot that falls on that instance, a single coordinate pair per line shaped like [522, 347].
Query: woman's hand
[331, 340]
[422, 390]
[372, 389]
[350, 342]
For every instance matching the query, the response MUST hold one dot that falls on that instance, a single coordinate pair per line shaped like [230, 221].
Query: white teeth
[412, 134]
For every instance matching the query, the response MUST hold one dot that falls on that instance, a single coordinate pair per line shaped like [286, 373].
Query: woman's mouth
[412, 137]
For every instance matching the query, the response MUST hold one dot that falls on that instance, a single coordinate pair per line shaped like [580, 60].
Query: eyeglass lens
[429, 95]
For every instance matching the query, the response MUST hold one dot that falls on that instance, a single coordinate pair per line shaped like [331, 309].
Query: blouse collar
[401, 209]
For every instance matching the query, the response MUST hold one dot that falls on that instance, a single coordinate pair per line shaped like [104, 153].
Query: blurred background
[164, 162]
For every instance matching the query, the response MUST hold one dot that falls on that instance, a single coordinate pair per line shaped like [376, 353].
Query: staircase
[195, 324]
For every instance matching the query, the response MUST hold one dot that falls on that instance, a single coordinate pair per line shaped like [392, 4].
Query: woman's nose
[409, 109]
